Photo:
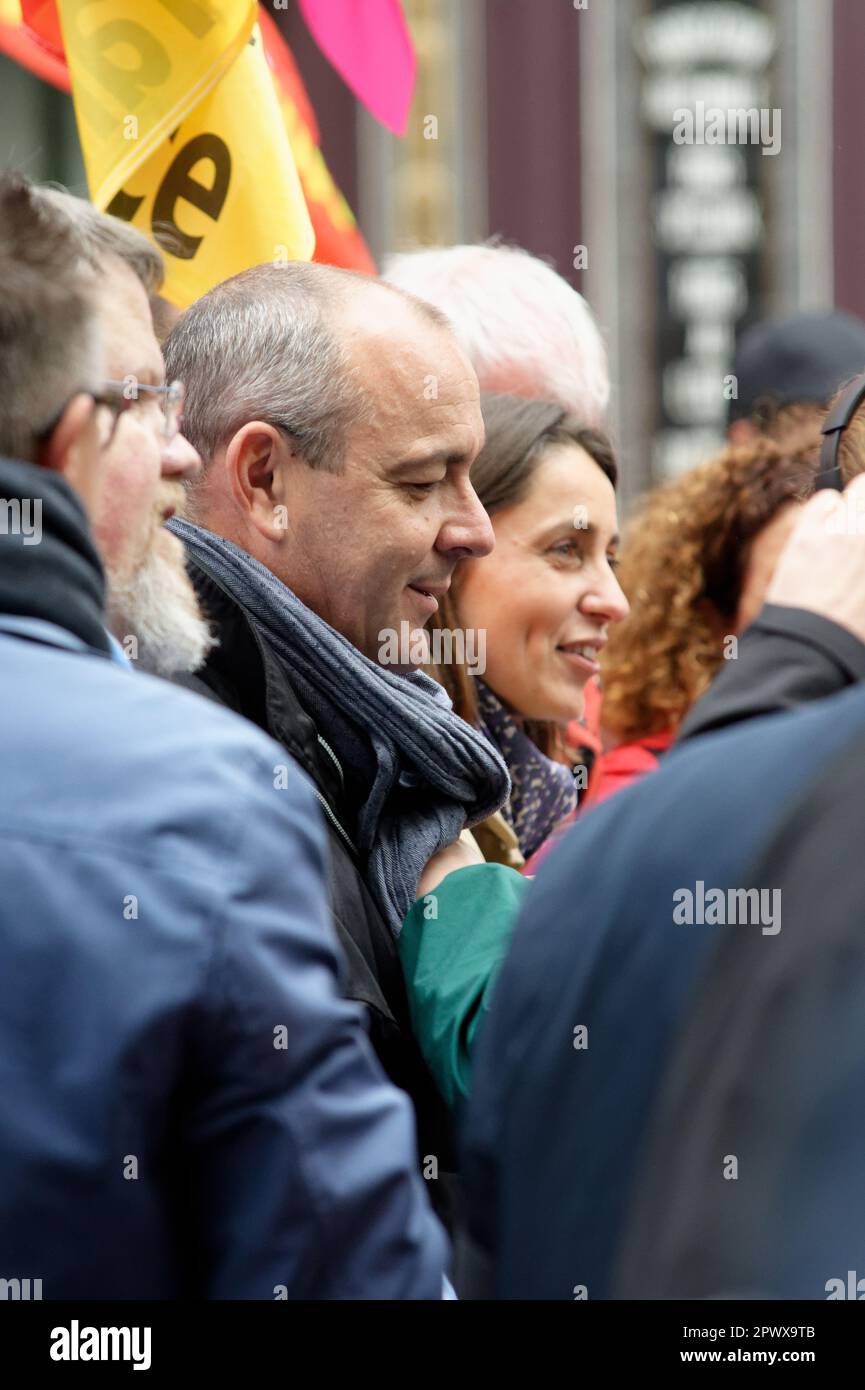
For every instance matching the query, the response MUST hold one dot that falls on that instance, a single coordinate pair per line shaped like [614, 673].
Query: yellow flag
[182, 134]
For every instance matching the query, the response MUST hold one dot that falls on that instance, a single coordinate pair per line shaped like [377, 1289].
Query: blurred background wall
[547, 122]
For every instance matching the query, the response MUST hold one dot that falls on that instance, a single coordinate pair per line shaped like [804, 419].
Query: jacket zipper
[331, 814]
[327, 748]
[333, 820]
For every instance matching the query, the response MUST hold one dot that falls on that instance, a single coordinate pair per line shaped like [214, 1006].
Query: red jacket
[622, 765]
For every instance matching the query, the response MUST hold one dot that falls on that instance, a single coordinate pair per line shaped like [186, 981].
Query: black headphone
[834, 425]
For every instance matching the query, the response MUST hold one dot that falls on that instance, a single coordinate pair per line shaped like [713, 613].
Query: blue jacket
[558, 1116]
[187, 1106]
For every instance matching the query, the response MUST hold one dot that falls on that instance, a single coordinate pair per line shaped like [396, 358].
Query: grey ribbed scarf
[427, 771]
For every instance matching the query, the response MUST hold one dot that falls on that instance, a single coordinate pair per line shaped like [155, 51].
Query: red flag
[30, 36]
[338, 240]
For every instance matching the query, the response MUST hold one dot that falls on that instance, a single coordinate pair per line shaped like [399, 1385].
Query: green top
[451, 946]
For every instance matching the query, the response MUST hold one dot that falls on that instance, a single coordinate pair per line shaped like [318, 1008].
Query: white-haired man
[525, 330]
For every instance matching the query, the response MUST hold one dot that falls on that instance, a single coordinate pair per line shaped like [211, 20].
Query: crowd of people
[408, 889]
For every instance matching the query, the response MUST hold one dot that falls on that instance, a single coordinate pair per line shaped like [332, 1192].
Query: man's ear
[72, 449]
[257, 463]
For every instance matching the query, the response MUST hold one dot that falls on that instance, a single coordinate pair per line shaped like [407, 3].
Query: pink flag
[368, 43]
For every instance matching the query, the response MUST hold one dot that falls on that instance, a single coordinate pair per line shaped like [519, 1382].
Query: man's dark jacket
[769, 1068]
[557, 1117]
[245, 673]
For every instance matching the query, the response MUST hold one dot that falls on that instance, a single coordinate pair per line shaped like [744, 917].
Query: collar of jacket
[245, 674]
[50, 570]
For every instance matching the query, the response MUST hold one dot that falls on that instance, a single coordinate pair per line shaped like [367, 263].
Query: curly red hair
[682, 567]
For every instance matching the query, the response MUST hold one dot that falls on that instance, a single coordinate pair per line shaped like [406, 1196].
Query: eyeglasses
[120, 396]
[834, 425]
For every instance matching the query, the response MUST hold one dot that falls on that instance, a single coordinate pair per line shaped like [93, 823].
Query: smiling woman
[544, 598]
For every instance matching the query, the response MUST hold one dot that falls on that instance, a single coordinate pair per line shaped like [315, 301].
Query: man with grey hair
[151, 606]
[338, 419]
[50, 362]
[525, 330]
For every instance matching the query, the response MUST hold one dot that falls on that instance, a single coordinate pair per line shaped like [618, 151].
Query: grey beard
[156, 618]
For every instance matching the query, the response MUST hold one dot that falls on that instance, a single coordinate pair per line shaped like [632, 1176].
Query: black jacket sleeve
[787, 657]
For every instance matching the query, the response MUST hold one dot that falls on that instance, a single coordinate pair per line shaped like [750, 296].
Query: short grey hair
[49, 338]
[264, 345]
[526, 331]
[98, 234]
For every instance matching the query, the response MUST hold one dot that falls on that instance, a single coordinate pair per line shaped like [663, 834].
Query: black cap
[803, 359]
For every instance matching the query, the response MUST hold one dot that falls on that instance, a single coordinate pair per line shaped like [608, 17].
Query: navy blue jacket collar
[49, 566]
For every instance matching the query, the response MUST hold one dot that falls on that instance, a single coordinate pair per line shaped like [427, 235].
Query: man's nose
[180, 461]
[468, 528]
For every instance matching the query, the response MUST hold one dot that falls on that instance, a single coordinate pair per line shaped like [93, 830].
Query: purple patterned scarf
[542, 790]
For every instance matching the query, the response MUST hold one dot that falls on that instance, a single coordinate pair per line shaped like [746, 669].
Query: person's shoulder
[713, 799]
[105, 728]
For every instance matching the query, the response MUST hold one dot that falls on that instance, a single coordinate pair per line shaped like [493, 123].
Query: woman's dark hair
[518, 434]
